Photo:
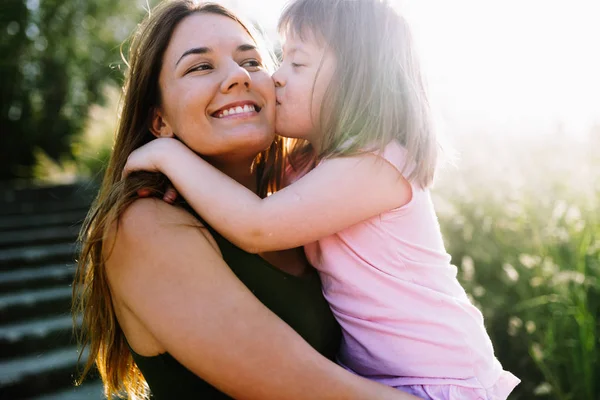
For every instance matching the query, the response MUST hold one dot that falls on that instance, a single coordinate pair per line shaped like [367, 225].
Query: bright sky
[527, 65]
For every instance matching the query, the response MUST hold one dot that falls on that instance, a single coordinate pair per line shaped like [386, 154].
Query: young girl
[349, 89]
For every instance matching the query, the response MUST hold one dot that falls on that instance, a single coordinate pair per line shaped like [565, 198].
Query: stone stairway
[38, 229]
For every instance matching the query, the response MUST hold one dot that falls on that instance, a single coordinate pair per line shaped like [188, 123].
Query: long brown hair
[377, 93]
[100, 331]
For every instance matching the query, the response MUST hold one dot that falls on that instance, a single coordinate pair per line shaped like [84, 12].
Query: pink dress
[406, 320]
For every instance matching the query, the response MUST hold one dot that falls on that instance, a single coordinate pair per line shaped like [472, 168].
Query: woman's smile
[237, 110]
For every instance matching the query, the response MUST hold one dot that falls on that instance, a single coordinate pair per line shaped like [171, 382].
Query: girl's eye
[201, 67]
[296, 65]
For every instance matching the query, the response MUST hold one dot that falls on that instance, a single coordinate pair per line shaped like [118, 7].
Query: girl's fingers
[170, 195]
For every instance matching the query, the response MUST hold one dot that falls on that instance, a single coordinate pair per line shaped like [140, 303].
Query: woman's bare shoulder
[148, 223]
[153, 211]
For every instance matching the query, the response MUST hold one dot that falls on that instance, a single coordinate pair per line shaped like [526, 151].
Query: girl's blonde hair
[376, 94]
[92, 299]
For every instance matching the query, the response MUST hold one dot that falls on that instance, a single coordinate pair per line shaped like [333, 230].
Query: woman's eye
[251, 64]
[201, 67]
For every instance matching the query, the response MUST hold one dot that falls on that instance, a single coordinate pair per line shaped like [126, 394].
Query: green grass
[521, 221]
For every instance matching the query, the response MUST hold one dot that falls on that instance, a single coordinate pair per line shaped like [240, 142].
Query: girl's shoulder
[396, 154]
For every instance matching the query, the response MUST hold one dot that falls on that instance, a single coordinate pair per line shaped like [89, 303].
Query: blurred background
[516, 89]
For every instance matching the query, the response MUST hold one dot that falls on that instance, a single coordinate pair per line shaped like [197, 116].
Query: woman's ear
[159, 125]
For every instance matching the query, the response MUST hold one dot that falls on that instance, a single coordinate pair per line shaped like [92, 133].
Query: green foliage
[90, 150]
[60, 56]
[524, 229]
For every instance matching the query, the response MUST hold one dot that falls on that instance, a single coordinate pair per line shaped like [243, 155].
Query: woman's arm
[167, 274]
[335, 195]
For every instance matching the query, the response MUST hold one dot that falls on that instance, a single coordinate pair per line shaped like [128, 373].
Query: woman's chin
[252, 142]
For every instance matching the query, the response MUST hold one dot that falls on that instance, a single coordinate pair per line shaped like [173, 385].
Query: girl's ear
[159, 126]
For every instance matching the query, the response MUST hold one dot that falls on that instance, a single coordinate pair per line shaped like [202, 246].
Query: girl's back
[405, 317]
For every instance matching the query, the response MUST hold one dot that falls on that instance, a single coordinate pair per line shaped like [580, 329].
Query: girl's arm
[167, 275]
[337, 194]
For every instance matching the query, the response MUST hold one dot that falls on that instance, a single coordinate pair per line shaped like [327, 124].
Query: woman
[158, 299]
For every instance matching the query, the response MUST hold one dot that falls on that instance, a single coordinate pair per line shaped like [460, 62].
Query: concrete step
[38, 374]
[36, 277]
[28, 221]
[18, 257]
[45, 199]
[27, 191]
[38, 232]
[38, 236]
[45, 207]
[92, 390]
[35, 303]
[39, 335]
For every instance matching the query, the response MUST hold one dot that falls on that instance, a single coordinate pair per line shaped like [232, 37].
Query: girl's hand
[169, 197]
[150, 157]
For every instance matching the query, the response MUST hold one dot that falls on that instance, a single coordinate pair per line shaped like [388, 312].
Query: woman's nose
[237, 76]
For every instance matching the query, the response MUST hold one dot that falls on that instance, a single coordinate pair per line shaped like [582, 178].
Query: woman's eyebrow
[245, 47]
[195, 50]
[206, 50]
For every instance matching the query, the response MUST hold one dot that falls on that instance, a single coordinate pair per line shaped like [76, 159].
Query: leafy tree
[56, 57]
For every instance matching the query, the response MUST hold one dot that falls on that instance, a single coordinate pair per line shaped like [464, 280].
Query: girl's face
[300, 84]
[216, 96]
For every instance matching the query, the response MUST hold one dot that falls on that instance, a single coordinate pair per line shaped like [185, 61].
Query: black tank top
[296, 300]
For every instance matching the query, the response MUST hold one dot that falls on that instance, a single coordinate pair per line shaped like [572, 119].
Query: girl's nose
[278, 78]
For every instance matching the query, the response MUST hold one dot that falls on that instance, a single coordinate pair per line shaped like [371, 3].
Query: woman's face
[216, 95]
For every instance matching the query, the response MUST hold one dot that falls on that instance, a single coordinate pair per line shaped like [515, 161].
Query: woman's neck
[240, 171]
[292, 261]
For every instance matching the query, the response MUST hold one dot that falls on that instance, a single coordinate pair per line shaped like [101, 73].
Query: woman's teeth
[236, 110]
